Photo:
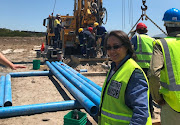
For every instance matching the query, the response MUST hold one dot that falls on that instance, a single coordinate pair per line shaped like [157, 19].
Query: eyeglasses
[114, 47]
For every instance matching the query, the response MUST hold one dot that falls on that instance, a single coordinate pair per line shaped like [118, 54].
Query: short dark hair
[142, 31]
[123, 37]
[171, 30]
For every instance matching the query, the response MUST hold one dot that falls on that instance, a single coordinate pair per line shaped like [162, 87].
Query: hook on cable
[144, 9]
[146, 18]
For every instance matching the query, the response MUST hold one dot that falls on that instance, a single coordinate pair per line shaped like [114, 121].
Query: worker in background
[82, 42]
[100, 32]
[57, 29]
[125, 92]
[143, 46]
[6, 62]
[165, 69]
[89, 39]
[92, 43]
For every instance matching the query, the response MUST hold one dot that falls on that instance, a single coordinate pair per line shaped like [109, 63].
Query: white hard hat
[58, 15]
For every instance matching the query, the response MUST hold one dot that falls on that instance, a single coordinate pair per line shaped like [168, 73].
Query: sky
[122, 15]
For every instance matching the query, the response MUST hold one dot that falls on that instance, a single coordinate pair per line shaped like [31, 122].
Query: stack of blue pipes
[84, 90]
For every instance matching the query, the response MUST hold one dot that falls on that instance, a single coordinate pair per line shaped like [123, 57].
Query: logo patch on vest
[114, 89]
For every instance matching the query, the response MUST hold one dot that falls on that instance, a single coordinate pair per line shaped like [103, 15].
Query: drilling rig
[85, 13]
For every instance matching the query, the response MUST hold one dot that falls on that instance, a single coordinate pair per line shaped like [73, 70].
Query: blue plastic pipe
[92, 88]
[63, 64]
[2, 83]
[8, 92]
[38, 108]
[86, 91]
[25, 74]
[83, 70]
[83, 77]
[90, 107]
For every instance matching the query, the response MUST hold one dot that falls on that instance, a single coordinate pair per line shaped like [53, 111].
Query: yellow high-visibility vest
[144, 50]
[170, 74]
[114, 111]
[56, 22]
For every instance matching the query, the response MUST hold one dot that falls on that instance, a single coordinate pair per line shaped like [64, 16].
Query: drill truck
[86, 12]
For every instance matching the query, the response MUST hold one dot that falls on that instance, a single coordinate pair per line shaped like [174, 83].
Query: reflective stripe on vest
[140, 48]
[116, 116]
[172, 83]
[142, 61]
[169, 75]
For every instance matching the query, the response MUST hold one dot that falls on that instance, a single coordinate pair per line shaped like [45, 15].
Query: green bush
[10, 33]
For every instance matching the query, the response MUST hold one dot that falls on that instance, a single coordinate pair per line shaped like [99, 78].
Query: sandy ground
[42, 89]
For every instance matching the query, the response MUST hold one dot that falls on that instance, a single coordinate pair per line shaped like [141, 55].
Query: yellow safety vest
[144, 50]
[114, 111]
[170, 74]
[56, 22]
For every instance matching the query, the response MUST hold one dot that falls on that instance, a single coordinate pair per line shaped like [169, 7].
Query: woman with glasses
[125, 93]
